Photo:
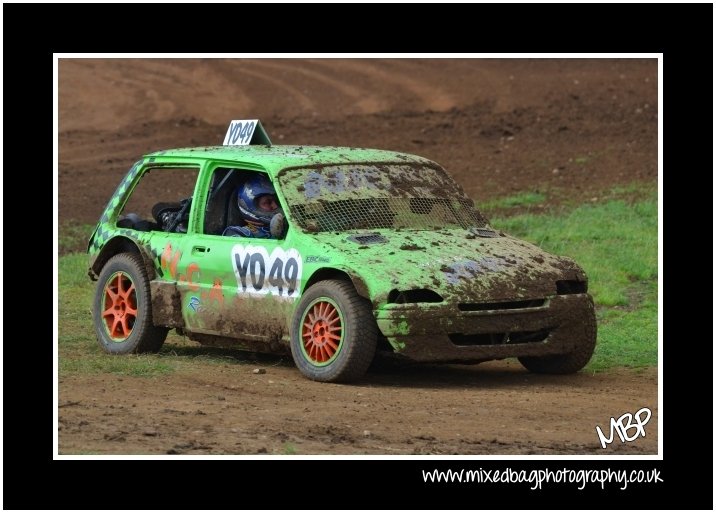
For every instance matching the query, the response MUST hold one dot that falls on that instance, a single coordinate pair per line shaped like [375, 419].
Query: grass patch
[627, 337]
[73, 236]
[289, 448]
[561, 199]
[632, 189]
[523, 199]
[75, 297]
[124, 365]
[79, 352]
[616, 244]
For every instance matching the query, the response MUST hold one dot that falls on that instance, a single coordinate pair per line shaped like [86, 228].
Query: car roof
[276, 157]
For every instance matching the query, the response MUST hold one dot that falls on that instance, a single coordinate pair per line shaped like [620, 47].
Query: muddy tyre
[122, 308]
[333, 332]
[570, 362]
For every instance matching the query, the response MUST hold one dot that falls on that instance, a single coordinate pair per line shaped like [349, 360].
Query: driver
[258, 205]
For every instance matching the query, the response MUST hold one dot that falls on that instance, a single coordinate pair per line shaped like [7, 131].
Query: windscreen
[373, 196]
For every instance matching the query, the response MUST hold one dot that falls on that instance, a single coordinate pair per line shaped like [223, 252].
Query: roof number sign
[245, 131]
[240, 132]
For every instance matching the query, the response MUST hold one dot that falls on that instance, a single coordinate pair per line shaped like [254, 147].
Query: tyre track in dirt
[341, 96]
[406, 91]
[281, 92]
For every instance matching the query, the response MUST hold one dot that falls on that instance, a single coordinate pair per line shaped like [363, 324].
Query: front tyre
[333, 332]
[122, 308]
[570, 362]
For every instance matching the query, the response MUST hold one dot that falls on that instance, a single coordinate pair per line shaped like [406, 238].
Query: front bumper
[443, 333]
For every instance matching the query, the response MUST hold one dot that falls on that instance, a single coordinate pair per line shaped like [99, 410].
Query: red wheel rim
[120, 306]
[321, 332]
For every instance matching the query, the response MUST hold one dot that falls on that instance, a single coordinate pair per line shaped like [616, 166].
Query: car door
[238, 287]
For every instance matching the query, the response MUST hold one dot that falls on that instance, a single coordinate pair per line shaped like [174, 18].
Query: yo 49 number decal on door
[257, 272]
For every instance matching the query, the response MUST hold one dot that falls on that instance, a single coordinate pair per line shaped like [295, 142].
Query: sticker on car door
[257, 272]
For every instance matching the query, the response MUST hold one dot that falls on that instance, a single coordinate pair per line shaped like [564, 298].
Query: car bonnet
[458, 265]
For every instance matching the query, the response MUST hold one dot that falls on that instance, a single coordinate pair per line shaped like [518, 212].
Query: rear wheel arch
[117, 245]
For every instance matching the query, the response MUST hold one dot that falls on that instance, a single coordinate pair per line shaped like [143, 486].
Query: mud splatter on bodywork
[254, 323]
[445, 333]
[499, 295]
[376, 195]
[166, 304]
[444, 286]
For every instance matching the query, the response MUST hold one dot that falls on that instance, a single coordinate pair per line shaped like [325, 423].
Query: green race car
[369, 250]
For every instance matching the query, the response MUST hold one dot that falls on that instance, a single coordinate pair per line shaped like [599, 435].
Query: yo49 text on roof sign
[240, 132]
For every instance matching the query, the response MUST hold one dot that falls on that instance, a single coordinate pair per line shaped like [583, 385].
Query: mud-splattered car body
[440, 283]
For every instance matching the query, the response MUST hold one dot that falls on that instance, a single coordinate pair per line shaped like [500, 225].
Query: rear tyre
[122, 308]
[570, 362]
[333, 333]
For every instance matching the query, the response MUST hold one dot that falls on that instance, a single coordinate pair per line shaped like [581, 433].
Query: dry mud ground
[569, 128]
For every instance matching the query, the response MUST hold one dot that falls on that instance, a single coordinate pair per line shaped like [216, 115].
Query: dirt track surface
[492, 408]
[569, 128]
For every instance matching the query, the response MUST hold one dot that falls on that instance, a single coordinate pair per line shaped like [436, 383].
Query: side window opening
[221, 207]
[223, 215]
[160, 201]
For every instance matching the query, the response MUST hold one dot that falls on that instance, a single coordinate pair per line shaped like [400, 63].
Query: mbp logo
[623, 425]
